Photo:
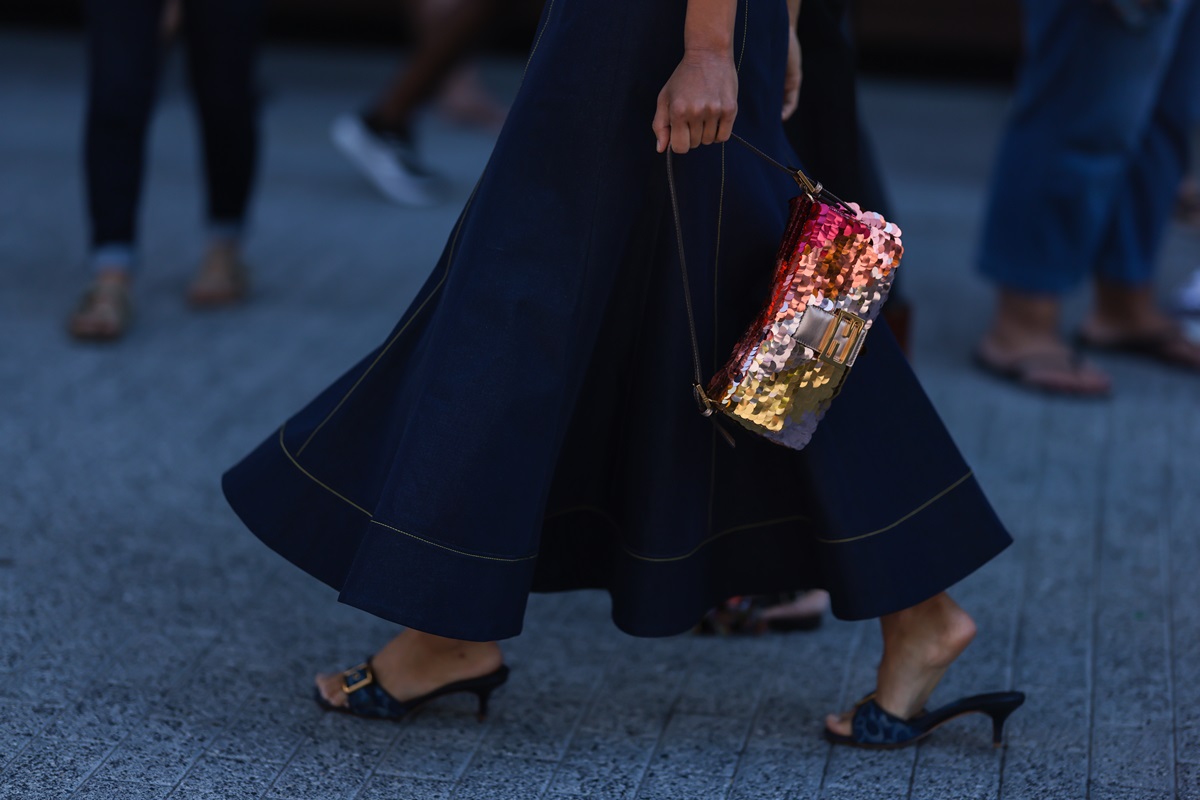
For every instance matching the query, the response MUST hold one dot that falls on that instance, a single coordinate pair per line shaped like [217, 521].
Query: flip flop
[1155, 347]
[1021, 370]
[873, 728]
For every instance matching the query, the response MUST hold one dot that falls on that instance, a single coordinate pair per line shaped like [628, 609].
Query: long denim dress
[529, 424]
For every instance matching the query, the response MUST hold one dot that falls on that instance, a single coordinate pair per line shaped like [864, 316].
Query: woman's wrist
[708, 48]
[708, 28]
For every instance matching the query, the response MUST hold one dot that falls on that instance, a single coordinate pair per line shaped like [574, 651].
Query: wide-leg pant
[1095, 147]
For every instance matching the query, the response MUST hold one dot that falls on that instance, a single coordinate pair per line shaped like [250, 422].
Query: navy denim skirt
[529, 424]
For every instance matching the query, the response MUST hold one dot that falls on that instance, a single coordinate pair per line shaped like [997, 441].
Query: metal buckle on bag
[834, 335]
[840, 345]
[811, 188]
[702, 400]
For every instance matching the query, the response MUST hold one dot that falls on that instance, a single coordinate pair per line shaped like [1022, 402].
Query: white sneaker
[389, 162]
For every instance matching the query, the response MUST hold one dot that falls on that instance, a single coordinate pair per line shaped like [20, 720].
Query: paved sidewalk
[151, 648]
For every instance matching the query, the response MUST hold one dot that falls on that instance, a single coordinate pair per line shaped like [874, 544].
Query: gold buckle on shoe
[357, 678]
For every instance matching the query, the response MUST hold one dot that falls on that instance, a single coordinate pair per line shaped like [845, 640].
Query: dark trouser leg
[123, 60]
[222, 38]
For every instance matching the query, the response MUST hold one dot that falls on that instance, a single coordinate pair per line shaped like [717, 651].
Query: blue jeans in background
[1095, 148]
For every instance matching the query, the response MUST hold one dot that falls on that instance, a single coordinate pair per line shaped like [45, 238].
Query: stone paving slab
[150, 648]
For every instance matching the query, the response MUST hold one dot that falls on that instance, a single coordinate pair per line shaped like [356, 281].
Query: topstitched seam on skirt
[716, 333]
[708, 540]
[399, 333]
[906, 517]
[538, 40]
[712, 450]
[371, 517]
[312, 477]
[600, 512]
[451, 549]
[777, 521]
[745, 30]
[711, 539]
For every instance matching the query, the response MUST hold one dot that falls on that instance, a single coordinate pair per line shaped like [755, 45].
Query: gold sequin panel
[833, 272]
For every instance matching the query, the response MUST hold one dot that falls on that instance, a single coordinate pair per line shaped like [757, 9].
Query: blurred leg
[223, 38]
[123, 60]
[1126, 312]
[1145, 202]
[443, 44]
[1085, 101]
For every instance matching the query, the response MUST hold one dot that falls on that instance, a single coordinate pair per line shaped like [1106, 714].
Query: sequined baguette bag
[833, 271]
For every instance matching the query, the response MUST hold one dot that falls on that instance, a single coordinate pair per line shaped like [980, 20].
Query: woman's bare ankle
[425, 653]
[932, 633]
[919, 644]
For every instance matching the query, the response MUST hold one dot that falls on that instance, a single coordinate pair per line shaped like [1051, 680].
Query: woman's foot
[415, 663]
[803, 613]
[919, 644]
[1046, 364]
[222, 279]
[104, 311]
[1147, 332]
[1024, 346]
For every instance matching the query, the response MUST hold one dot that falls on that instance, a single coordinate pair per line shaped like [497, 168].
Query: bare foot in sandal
[222, 279]
[105, 310]
[1127, 320]
[414, 663]
[1049, 366]
[1024, 347]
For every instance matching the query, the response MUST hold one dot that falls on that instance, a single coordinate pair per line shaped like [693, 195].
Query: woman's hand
[791, 80]
[698, 103]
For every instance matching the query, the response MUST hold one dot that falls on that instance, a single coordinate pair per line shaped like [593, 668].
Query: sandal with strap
[753, 615]
[1030, 371]
[1169, 346]
[103, 314]
[874, 728]
[368, 699]
[222, 280]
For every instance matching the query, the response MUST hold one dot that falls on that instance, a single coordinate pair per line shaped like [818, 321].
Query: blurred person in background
[1087, 175]
[126, 45]
[381, 141]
